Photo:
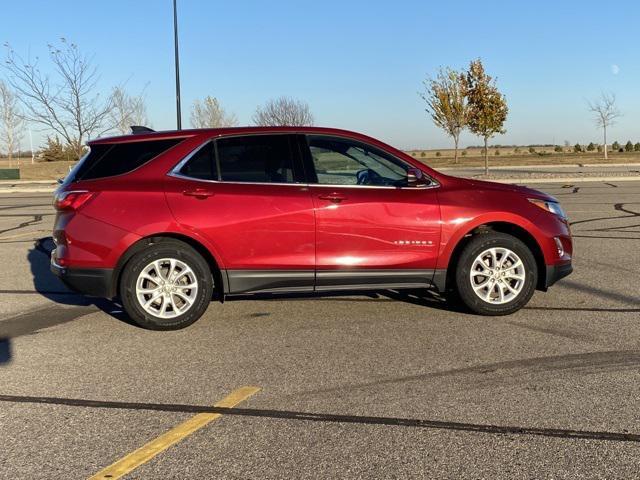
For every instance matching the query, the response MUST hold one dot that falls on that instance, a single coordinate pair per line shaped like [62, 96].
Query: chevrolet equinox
[167, 221]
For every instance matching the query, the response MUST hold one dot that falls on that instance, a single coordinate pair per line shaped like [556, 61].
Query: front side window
[256, 158]
[339, 161]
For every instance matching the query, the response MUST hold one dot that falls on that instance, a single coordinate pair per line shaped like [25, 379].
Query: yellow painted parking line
[173, 436]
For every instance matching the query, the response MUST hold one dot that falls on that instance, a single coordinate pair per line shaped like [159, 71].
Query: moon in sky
[615, 69]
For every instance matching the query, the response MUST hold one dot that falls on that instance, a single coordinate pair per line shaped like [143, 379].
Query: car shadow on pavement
[422, 297]
[5, 350]
[428, 298]
[51, 287]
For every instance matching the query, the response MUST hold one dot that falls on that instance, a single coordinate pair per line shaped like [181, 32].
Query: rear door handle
[200, 193]
[333, 197]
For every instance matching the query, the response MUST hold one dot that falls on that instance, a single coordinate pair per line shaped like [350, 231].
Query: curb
[538, 165]
[526, 181]
[27, 182]
[27, 190]
[611, 164]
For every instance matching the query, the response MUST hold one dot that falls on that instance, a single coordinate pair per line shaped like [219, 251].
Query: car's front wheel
[166, 286]
[496, 274]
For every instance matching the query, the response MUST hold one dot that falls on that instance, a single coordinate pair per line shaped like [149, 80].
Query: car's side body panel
[376, 228]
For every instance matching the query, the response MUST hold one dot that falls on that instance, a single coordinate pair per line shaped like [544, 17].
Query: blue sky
[359, 64]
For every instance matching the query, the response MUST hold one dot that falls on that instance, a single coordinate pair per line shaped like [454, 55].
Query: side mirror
[415, 178]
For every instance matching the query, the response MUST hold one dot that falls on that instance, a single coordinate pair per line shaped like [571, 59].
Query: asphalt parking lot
[383, 385]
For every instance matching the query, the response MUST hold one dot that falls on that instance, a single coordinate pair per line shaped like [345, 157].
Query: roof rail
[140, 129]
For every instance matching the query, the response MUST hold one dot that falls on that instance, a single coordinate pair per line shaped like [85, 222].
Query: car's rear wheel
[166, 286]
[496, 274]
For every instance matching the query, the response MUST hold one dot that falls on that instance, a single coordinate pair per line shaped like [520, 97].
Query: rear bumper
[556, 272]
[95, 282]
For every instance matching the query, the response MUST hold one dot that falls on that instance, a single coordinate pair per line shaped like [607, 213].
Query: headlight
[552, 207]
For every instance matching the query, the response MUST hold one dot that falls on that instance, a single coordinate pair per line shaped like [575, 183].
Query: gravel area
[523, 175]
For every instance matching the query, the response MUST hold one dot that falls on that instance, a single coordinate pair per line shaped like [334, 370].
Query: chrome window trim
[193, 179]
[227, 182]
[385, 187]
[175, 171]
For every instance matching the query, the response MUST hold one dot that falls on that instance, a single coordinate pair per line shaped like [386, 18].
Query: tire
[171, 304]
[504, 292]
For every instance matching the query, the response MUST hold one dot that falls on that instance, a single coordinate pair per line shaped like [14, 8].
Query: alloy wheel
[166, 288]
[497, 275]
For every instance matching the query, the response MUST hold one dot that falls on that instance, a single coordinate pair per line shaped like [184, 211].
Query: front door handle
[200, 193]
[332, 197]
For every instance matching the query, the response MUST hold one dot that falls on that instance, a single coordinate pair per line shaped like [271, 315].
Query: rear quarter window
[108, 160]
[202, 164]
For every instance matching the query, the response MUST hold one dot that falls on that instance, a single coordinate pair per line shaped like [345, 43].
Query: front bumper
[95, 282]
[556, 272]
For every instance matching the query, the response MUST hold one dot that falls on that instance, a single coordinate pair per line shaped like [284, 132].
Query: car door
[372, 228]
[247, 197]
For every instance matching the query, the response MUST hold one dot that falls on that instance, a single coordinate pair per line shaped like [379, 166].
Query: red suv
[167, 220]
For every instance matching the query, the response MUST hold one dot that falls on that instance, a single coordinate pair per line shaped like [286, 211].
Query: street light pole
[177, 61]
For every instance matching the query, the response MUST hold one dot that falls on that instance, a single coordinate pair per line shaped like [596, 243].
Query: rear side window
[202, 164]
[108, 160]
[256, 158]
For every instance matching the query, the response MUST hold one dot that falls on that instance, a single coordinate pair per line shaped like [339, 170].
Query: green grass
[38, 170]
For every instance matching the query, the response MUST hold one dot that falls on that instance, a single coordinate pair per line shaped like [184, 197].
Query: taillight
[72, 200]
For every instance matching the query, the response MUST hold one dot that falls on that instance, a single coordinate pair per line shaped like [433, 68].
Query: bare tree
[66, 101]
[127, 110]
[447, 103]
[283, 111]
[11, 123]
[210, 114]
[605, 113]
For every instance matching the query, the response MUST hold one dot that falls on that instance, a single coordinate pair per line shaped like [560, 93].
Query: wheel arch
[215, 266]
[509, 228]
